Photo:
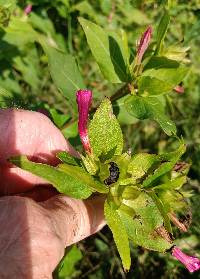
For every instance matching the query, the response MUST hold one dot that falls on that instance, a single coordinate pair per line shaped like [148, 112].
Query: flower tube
[84, 99]
[191, 263]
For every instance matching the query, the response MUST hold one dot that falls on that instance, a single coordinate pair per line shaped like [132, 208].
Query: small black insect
[114, 174]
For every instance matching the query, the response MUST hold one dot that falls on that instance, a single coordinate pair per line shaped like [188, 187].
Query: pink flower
[179, 89]
[144, 43]
[84, 99]
[191, 263]
[28, 9]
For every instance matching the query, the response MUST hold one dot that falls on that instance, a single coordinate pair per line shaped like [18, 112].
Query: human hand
[36, 222]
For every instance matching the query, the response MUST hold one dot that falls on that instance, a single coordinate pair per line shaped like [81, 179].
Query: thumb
[74, 219]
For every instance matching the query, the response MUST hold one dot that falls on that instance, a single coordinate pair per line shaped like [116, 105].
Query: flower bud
[28, 9]
[144, 43]
[191, 263]
[179, 89]
[84, 99]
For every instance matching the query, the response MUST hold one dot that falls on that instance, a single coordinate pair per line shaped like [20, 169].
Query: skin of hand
[37, 223]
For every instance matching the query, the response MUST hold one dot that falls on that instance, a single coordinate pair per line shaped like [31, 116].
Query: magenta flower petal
[179, 89]
[28, 9]
[191, 263]
[84, 99]
[144, 43]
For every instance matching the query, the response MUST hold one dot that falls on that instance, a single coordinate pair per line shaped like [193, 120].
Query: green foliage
[169, 76]
[119, 233]
[161, 31]
[25, 82]
[150, 107]
[58, 118]
[59, 177]
[68, 159]
[4, 16]
[64, 72]
[108, 51]
[66, 268]
[145, 210]
[142, 229]
[141, 163]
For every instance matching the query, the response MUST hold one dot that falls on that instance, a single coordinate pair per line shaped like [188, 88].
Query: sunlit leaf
[107, 49]
[64, 72]
[152, 108]
[104, 131]
[65, 183]
[143, 227]
[119, 234]
[162, 29]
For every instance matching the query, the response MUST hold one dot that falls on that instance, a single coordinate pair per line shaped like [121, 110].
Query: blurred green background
[25, 82]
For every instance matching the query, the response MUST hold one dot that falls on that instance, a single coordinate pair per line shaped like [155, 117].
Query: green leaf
[173, 201]
[170, 76]
[153, 86]
[19, 32]
[58, 118]
[142, 228]
[121, 113]
[119, 234]
[152, 108]
[104, 131]
[141, 163]
[159, 62]
[69, 184]
[86, 8]
[165, 167]
[107, 49]
[68, 159]
[162, 30]
[66, 267]
[83, 176]
[8, 4]
[173, 184]
[132, 15]
[8, 99]
[71, 131]
[131, 193]
[90, 164]
[161, 208]
[174, 155]
[161, 75]
[4, 16]
[177, 53]
[64, 72]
